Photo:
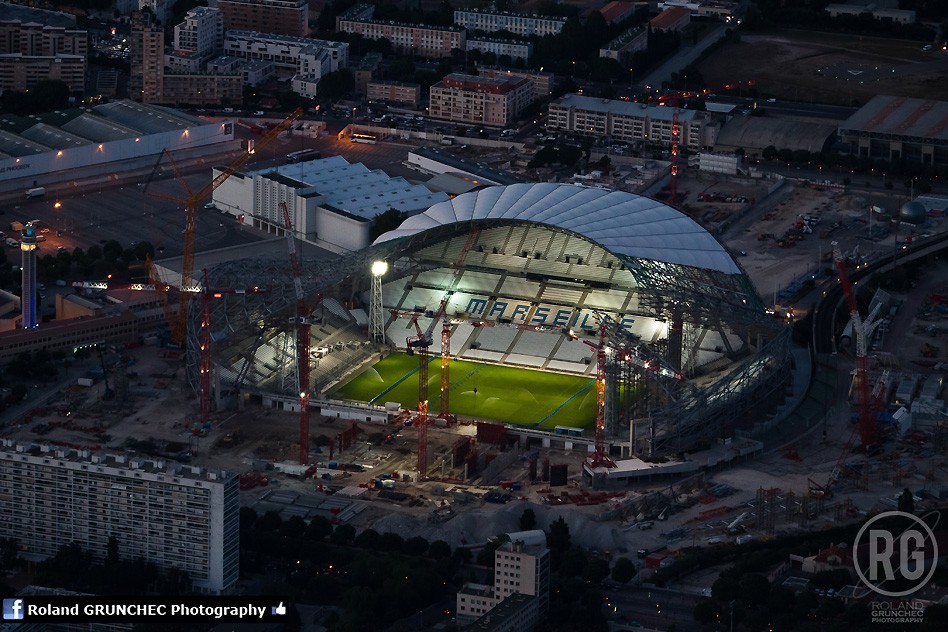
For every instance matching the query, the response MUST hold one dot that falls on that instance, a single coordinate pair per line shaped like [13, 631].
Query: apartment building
[479, 100]
[394, 92]
[514, 49]
[146, 45]
[298, 55]
[21, 72]
[31, 51]
[517, 23]
[428, 41]
[201, 35]
[627, 44]
[281, 17]
[629, 121]
[542, 82]
[174, 515]
[521, 566]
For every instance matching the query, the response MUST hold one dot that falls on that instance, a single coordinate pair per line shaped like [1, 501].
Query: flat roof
[462, 164]
[27, 15]
[901, 116]
[623, 108]
[510, 606]
[353, 188]
[148, 119]
[275, 247]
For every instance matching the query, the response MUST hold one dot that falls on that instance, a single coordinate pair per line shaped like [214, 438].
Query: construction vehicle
[177, 322]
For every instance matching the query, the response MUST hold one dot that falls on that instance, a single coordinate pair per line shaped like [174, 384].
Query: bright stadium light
[379, 268]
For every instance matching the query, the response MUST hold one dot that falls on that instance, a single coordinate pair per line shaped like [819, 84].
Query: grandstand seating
[536, 343]
[336, 308]
[572, 351]
[496, 338]
[524, 360]
[483, 282]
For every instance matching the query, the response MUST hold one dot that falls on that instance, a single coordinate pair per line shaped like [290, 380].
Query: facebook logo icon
[12, 609]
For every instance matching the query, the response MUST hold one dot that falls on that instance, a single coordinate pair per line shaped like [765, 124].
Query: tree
[528, 520]
[247, 517]
[384, 222]
[391, 542]
[572, 562]
[336, 85]
[367, 539]
[295, 527]
[725, 588]
[439, 550]
[754, 589]
[906, 501]
[706, 611]
[558, 537]
[269, 521]
[111, 251]
[623, 570]
[343, 534]
[597, 569]
[415, 545]
[319, 528]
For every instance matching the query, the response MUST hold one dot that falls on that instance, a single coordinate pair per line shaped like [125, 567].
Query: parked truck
[35, 192]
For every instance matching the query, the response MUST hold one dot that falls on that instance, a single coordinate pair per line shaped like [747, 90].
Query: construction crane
[191, 201]
[600, 458]
[877, 400]
[675, 99]
[303, 324]
[109, 393]
[866, 422]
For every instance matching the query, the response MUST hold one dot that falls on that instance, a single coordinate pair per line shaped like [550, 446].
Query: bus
[366, 139]
[304, 155]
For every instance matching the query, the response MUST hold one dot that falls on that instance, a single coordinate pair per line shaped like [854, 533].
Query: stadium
[523, 282]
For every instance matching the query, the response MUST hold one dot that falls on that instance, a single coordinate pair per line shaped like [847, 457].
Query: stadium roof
[901, 116]
[624, 223]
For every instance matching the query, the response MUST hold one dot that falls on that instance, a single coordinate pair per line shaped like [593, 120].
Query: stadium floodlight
[376, 324]
[379, 268]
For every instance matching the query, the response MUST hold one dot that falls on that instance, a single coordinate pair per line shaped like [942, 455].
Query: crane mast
[866, 422]
[302, 322]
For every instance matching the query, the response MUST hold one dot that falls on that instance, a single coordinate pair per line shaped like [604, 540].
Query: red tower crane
[303, 323]
[191, 201]
[600, 458]
[866, 421]
[675, 99]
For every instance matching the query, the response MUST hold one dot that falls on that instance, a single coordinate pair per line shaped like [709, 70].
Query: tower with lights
[28, 265]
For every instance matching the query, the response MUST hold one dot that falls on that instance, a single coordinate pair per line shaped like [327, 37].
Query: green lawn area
[514, 395]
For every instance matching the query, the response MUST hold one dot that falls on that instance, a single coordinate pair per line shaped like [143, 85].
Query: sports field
[483, 391]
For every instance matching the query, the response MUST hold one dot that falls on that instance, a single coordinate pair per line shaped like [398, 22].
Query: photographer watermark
[895, 555]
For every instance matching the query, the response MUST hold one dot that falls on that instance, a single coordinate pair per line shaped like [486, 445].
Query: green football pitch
[482, 391]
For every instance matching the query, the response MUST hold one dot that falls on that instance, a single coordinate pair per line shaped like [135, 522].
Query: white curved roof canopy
[624, 223]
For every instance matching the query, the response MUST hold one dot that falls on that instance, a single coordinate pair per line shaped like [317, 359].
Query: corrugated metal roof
[148, 119]
[624, 108]
[623, 223]
[901, 116]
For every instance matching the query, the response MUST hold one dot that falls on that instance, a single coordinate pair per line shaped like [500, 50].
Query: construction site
[525, 347]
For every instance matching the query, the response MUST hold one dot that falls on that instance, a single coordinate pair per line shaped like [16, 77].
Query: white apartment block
[513, 48]
[201, 35]
[517, 23]
[469, 99]
[542, 82]
[630, 121]
[174, 515]
[297, 55]
[522, 566]
[427, 41]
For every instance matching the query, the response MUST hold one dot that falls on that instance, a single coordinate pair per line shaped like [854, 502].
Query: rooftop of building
[516, 72]
[27, 15]
[901, 116]
[412, 25]
[497, 615]
[511, 14]
[625, 38]
[499, 40]
[624, 108]
[170, 268]
[392, 82]
[286, 39]
[615, 10]
[476, 82]
[492, 176]
[755, 133]
[669, 17]
[352, 188]
[477, 590]
[10, 449]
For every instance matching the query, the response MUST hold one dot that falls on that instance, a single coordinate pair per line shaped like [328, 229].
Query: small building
[671, 19]
[623, 47]
[515, 49]
[516, 613]
[522, 24]
[726, 163]
[615, 12]
[542, 82]
[364, 70]
[899, 16]
[899, 128]
[394, 92]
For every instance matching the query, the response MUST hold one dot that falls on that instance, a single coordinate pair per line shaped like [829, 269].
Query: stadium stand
[536, 343]
[496, 338]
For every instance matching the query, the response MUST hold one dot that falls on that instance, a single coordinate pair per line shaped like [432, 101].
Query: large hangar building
[693, 356]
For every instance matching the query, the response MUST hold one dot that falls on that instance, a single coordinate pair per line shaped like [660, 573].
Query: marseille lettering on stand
[542, 315]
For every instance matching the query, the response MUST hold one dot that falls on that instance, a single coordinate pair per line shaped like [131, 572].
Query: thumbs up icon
[278, 610]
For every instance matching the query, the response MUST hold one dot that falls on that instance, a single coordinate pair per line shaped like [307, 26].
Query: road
[653, 607]
[685, 55]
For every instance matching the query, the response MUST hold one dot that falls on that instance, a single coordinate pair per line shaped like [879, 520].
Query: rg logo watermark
[895, 555]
